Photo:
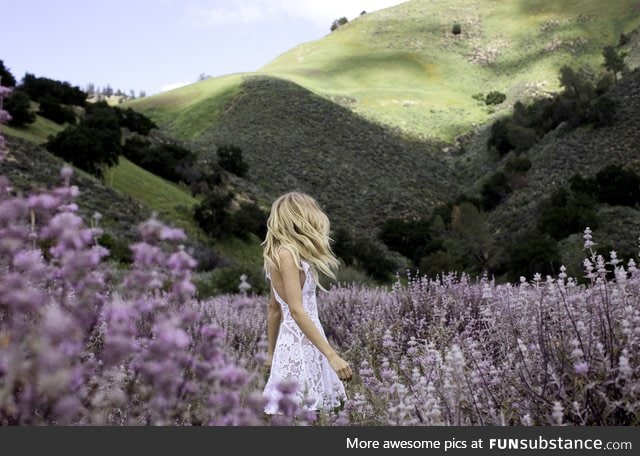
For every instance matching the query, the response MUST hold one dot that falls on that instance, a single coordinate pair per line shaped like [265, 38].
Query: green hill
[403, 66]
[298, 140]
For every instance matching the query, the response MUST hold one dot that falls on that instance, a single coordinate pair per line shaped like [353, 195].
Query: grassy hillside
[37, 132]
[190, 110]
[403, 67]
[161, 195]
[298, 140]
[30, 166]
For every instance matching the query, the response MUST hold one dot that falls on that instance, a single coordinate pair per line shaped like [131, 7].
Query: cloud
[228, 12]
[174, 85]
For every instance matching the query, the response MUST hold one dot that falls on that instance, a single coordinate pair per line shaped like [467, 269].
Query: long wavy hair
[297, 223]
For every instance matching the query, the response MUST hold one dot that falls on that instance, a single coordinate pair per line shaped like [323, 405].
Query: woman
[296, 246]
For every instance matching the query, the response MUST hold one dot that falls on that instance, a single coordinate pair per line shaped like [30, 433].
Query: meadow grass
[153, 191]
[37, 132]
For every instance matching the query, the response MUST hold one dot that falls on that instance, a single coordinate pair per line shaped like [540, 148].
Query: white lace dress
[295, 357]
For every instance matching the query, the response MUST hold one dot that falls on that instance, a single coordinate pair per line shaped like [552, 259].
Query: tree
[211, 214]
[613, 61]
[230, 158]
[137, 122]
[91, 149]
[338, 22]
[494, 190]
[250, 219]
[533, 253]
[456, 29]
[64, 92]
[19, 105]
[494, 98]
[6, 78]
[50, 108]
[618, 186]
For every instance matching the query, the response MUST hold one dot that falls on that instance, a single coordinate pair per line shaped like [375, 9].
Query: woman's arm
[293, 291]
[274, 316]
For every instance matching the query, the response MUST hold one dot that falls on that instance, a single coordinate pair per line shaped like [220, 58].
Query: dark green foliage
[338, 22]
[50, 108]
[91, 149]
[438, 263]
[624, 39]
[250, 219]
[135, 121]
[6, 78]
[37, 88]
[230, 158]
[411, 238]
[494, 98]
[583, 101]
[202, 176]
[19, 105]
[456, 29]
[207, 258]
[363, 253]
[517, 165]
[226, 280]
[560, 222]
[372, 259]
[579, 184]
[618, 186]
[520, 138]
[343, 246]
[166, 160]
[212, 213]
[94, 144]
[613, 61]
[603, 111]
[533, 253]
[118, 248]
[101, 115]
[499, 137]
[494, 190]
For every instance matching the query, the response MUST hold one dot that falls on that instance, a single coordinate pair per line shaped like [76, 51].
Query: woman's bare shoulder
[285, 256]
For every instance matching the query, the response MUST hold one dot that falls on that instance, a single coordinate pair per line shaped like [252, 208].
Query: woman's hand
[341, 367]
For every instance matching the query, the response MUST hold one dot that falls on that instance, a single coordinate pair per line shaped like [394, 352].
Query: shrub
[338, 22]
[90, 149]
[226, 280]
[517, 165]
[19, 105]
[456, 29]
[532, 253]
[617, 186]
[211, 214]
[411, 238]
[494, 190]
[250, 219]
[37, 88]
[230, 158]
[136, 122]
[167, 160]
[50, 108]
[494, 98]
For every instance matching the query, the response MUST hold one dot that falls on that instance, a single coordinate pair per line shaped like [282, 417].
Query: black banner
[283, 441]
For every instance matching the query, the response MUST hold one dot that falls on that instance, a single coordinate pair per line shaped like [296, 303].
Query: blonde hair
[297, 223]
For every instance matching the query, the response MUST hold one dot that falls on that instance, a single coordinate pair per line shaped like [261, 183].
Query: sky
[156, 45]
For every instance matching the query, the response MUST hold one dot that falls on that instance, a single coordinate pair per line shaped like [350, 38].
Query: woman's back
[295, 357]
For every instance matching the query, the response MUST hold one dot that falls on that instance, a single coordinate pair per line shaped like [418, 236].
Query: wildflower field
[78, 346]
